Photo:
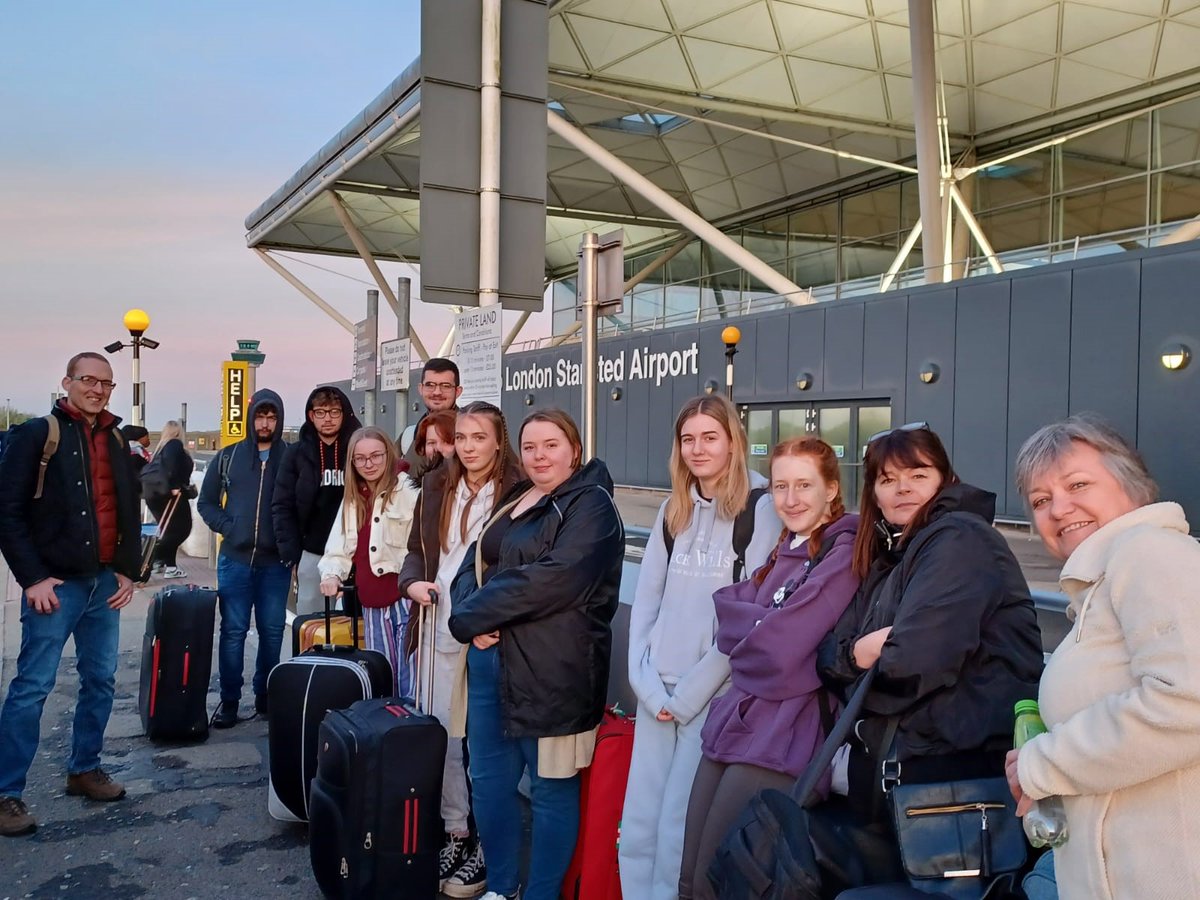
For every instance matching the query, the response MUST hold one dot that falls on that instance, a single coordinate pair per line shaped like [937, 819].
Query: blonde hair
[733, 487]
[172, 431]
[504, 463]
[387, 483]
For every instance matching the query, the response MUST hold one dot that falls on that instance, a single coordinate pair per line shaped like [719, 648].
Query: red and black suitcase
[375, 823]
[177, 663]
[299, 693]
[593, 873]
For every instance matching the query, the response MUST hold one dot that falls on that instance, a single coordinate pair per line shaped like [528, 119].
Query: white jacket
[389, 534]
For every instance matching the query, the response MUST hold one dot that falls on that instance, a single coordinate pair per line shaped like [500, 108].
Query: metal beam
[969, 217]
[516, 329]
[690, 220]
[1188, 231]
[925, 119]
[304, 289]
[905, 249]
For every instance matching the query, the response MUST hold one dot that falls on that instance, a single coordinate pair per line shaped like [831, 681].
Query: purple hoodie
[770, 716]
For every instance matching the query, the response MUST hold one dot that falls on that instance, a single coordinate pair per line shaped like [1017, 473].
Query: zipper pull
[367, 842]
[985, 844]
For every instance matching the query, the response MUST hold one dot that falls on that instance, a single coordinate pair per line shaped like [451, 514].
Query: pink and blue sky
[135, 137]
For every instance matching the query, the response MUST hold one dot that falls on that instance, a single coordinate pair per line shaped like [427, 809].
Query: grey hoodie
[673, 660]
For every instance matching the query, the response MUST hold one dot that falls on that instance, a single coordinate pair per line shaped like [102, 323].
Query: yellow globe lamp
[137, 321]
[730, 335]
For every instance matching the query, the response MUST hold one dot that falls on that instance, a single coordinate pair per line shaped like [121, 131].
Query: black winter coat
[57, 535]
[965, 644]
[303, 514]
[177, 464]
[553, 597]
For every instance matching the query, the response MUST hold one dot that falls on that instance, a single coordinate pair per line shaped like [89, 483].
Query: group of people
[761, 604]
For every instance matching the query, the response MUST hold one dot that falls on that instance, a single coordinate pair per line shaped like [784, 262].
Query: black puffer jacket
[965, 644]
[302, 510]
[553, 597]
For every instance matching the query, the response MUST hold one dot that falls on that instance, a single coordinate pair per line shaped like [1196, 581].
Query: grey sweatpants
[308, 585]
[719, 795]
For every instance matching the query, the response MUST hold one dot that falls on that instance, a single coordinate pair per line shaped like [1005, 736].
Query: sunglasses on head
[911, 426]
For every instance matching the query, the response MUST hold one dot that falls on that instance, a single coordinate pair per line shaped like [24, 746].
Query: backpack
[155, 484]
[743, 533]
[48, 450]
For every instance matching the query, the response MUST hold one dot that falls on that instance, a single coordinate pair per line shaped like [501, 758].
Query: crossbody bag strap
[479, 542]
[803, 791]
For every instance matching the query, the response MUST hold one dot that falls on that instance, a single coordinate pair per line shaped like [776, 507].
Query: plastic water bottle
[1046, 822]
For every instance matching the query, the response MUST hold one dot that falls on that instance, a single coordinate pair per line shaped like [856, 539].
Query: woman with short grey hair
[1121, 694]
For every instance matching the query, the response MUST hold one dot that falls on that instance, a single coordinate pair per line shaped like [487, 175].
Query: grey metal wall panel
[522, 253]
[639, 424]
[1039, 365]
[806, 350]
[981, 392]
[662, 415]
[932, 324]
[885, 352]
[844, 347]
[1105, 306]
[524, 45]
[451, 34]
[686, 386]
[769, 366]
[1168, 401]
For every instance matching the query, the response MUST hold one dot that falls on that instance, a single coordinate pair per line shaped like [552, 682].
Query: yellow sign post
[233, 402]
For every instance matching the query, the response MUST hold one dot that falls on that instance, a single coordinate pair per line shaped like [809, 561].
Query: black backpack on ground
[743, 533]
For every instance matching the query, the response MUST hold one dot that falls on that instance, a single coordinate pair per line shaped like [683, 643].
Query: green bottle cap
[1026, 706]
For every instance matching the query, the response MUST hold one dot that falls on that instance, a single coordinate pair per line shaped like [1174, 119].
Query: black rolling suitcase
[375, 823]
[299, 693]
[176, 663]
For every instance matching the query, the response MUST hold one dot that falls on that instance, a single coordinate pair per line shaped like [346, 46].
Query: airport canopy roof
[712, 101]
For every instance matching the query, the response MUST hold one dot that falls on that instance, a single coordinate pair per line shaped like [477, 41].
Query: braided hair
[456, 472]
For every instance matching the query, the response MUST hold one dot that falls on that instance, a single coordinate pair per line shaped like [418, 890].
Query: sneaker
[156, 570]
[226, 715]
[95, 785]
[454, 854]
[15, 819]
[260, 704]
[471, 878]
[492, 895]
[172, 572]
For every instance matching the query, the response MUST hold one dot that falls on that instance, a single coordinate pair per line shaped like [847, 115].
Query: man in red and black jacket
[75, 551]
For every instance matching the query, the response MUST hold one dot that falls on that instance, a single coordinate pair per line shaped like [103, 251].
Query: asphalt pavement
[195, 822]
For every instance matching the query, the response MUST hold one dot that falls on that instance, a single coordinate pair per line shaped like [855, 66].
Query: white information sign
[394, 362]
[366, 340]
[477, 353]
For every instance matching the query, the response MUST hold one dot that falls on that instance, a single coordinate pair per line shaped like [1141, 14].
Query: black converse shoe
[454, 854]
[471, 878]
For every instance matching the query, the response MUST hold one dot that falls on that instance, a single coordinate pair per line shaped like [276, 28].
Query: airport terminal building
[982, 215]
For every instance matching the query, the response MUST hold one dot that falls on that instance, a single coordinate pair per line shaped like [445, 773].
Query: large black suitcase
[177, 662]
[299, 693]
[375, 823]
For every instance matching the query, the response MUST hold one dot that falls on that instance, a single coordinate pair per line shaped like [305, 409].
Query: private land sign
[477, 353]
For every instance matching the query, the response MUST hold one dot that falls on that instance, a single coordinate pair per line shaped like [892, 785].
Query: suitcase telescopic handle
[426, 706]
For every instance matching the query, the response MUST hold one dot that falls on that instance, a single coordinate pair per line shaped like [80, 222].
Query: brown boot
[95, 785]
[15, 819]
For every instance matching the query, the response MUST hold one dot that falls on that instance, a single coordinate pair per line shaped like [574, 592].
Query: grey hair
[1050, 442]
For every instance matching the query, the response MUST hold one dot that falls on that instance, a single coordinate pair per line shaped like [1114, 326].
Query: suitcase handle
[427, 682]
[346, 605]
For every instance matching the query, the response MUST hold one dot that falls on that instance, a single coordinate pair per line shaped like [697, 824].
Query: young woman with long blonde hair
[675, 667]
[177, 466]
[370, 537]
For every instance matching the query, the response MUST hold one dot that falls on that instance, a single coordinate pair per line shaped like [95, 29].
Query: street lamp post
[136, 321]
[7, 413]
[730, 337]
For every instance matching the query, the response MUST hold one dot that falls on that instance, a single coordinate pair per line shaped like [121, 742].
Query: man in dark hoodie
[309, 489]
[235, 502]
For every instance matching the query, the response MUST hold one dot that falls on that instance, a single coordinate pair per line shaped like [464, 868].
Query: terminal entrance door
[844, 425]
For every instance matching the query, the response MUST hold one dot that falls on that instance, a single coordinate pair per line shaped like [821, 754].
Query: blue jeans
[497, 764]
[83, 612]
[241, 588]
[1040, 883]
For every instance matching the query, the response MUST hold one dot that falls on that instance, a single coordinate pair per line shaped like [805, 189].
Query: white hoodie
[673, 660]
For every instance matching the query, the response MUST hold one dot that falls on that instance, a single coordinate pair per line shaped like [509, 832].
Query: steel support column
[925, 120]
[305, 290]
[690, 220]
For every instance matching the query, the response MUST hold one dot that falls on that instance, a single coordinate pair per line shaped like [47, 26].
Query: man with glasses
[440, 389]
[309, 489]
[235, 502]
[70, 533]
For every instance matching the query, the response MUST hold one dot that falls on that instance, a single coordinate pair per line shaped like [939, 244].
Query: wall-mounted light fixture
[804, 381]
[382, 408]
[1176, 357]
[929, 373]
[711, 386]
[416, 406]
[616, 393]
[529, 399]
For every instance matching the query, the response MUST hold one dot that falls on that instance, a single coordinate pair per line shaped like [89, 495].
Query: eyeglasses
[911, 426]
[91, 381]
[439, 385]
[374, 459]
[327, 413]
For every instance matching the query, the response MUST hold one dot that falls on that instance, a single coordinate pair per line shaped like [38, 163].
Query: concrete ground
[195, 823]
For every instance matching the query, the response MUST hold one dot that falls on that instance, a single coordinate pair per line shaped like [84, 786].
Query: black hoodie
[965, 644]
[310, 486]
[235, 500]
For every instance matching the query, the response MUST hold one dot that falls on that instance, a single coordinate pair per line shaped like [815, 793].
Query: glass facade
[1111, 189]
